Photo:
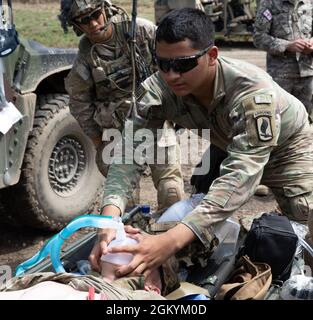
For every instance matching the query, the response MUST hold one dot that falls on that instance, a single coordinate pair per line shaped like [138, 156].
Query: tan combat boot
[169, 192]
[262, 190]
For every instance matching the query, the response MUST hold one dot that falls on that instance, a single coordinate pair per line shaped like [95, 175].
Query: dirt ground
[18, 245]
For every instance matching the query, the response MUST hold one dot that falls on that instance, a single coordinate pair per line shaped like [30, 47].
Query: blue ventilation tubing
[53, 246]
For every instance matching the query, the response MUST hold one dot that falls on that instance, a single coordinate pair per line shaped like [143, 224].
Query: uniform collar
[219, 87]
[219, 83]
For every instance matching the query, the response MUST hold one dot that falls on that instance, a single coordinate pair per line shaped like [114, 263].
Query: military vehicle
[233, 19]
[48, 173]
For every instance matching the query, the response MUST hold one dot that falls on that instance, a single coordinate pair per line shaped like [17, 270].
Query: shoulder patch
[260, 120]
[263, 98]
[264, 127]
[268, 15]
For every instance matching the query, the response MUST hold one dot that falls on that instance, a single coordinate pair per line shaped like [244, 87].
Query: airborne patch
[264, 126]
[268, 15]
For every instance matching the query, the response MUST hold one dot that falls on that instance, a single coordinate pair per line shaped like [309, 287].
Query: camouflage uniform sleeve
[262, 37]
[79, 85]
[147, 31]
[124, 173]
[256, 131]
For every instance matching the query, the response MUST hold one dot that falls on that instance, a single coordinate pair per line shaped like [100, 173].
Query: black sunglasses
[94, 15]
[180, 64]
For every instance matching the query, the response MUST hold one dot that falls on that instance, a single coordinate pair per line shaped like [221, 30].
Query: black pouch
[272, 240]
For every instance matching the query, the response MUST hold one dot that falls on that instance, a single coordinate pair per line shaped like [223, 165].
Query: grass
[39, 22]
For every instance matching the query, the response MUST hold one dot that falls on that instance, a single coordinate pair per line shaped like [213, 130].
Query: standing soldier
[100, 81]
[162, 7]
[284, 29]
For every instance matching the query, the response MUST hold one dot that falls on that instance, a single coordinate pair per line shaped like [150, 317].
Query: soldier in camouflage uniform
[284, 28]
[100, 81]
[265, 131]
[162, 7]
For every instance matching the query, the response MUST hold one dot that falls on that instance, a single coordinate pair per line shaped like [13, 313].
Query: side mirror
[8, 35]
[8, 41]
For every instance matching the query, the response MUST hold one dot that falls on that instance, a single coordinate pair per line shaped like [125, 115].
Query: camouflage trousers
[301, 88]
[167, 178]
[162, 7]
[289, 174]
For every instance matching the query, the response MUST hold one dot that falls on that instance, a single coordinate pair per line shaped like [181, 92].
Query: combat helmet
[71, 9]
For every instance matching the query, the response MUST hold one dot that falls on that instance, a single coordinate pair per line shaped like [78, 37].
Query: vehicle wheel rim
[66, 165]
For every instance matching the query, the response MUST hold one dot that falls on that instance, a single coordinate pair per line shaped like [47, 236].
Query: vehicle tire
[60, 179]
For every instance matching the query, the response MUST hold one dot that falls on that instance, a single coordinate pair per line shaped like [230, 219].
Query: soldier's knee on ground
[262, 190]
[169, 192]
[298, 208]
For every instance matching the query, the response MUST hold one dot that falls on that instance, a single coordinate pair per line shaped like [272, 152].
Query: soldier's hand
[309, 48]
[149, 254]
[105, 236]
[298, 45]
[131, 230]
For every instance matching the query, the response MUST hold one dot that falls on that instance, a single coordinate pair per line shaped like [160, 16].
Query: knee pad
[299, 208]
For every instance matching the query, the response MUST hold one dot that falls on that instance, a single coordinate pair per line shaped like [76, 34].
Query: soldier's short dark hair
[186, 23]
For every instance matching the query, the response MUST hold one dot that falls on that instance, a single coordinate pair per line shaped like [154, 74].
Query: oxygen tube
[53, 246]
